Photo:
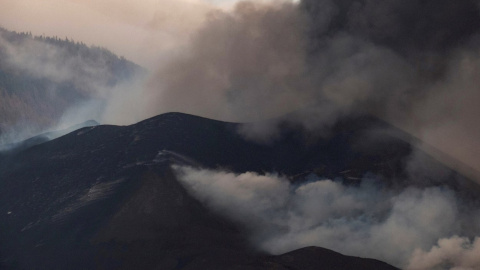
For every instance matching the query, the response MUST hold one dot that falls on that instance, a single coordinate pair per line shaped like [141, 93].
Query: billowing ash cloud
[262, 59]
[411, 228]
[413, 63]
[241, 65]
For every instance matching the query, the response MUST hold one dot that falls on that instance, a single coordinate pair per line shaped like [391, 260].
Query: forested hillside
[42, 77]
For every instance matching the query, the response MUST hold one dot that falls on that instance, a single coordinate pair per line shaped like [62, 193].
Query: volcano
[106, 197]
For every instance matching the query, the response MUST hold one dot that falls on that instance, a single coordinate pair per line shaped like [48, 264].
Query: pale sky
[145, 31]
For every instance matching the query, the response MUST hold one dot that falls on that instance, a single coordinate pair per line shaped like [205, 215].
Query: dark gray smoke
[247, 64]
[413, 63]
[410, 28]
[397, 53]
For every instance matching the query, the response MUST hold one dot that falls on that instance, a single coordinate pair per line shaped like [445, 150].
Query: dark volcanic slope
[105, 196]
[44, 137]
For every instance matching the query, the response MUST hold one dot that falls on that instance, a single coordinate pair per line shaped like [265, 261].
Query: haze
[144, 31]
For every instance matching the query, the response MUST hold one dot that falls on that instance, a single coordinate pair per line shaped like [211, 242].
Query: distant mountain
[106, 197]
[42, 77]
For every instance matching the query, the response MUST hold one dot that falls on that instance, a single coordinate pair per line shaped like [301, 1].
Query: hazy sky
[143, 31]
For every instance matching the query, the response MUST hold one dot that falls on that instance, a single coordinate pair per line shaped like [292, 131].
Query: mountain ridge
[106, 196]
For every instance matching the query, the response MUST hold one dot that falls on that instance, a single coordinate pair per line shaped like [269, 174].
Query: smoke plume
[455, 252]
[413, 63]
[247, 64]
[412, 228]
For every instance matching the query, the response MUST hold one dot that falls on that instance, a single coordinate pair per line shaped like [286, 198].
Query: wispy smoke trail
[368, 220]
[48, 83]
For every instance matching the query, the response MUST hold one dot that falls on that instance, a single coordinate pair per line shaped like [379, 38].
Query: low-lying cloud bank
[412, 228]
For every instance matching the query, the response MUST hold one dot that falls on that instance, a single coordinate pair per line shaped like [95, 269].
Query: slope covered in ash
[106, 196]
[44, 137]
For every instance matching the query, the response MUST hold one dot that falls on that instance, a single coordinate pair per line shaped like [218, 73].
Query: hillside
[107, 197]
[41, 78]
